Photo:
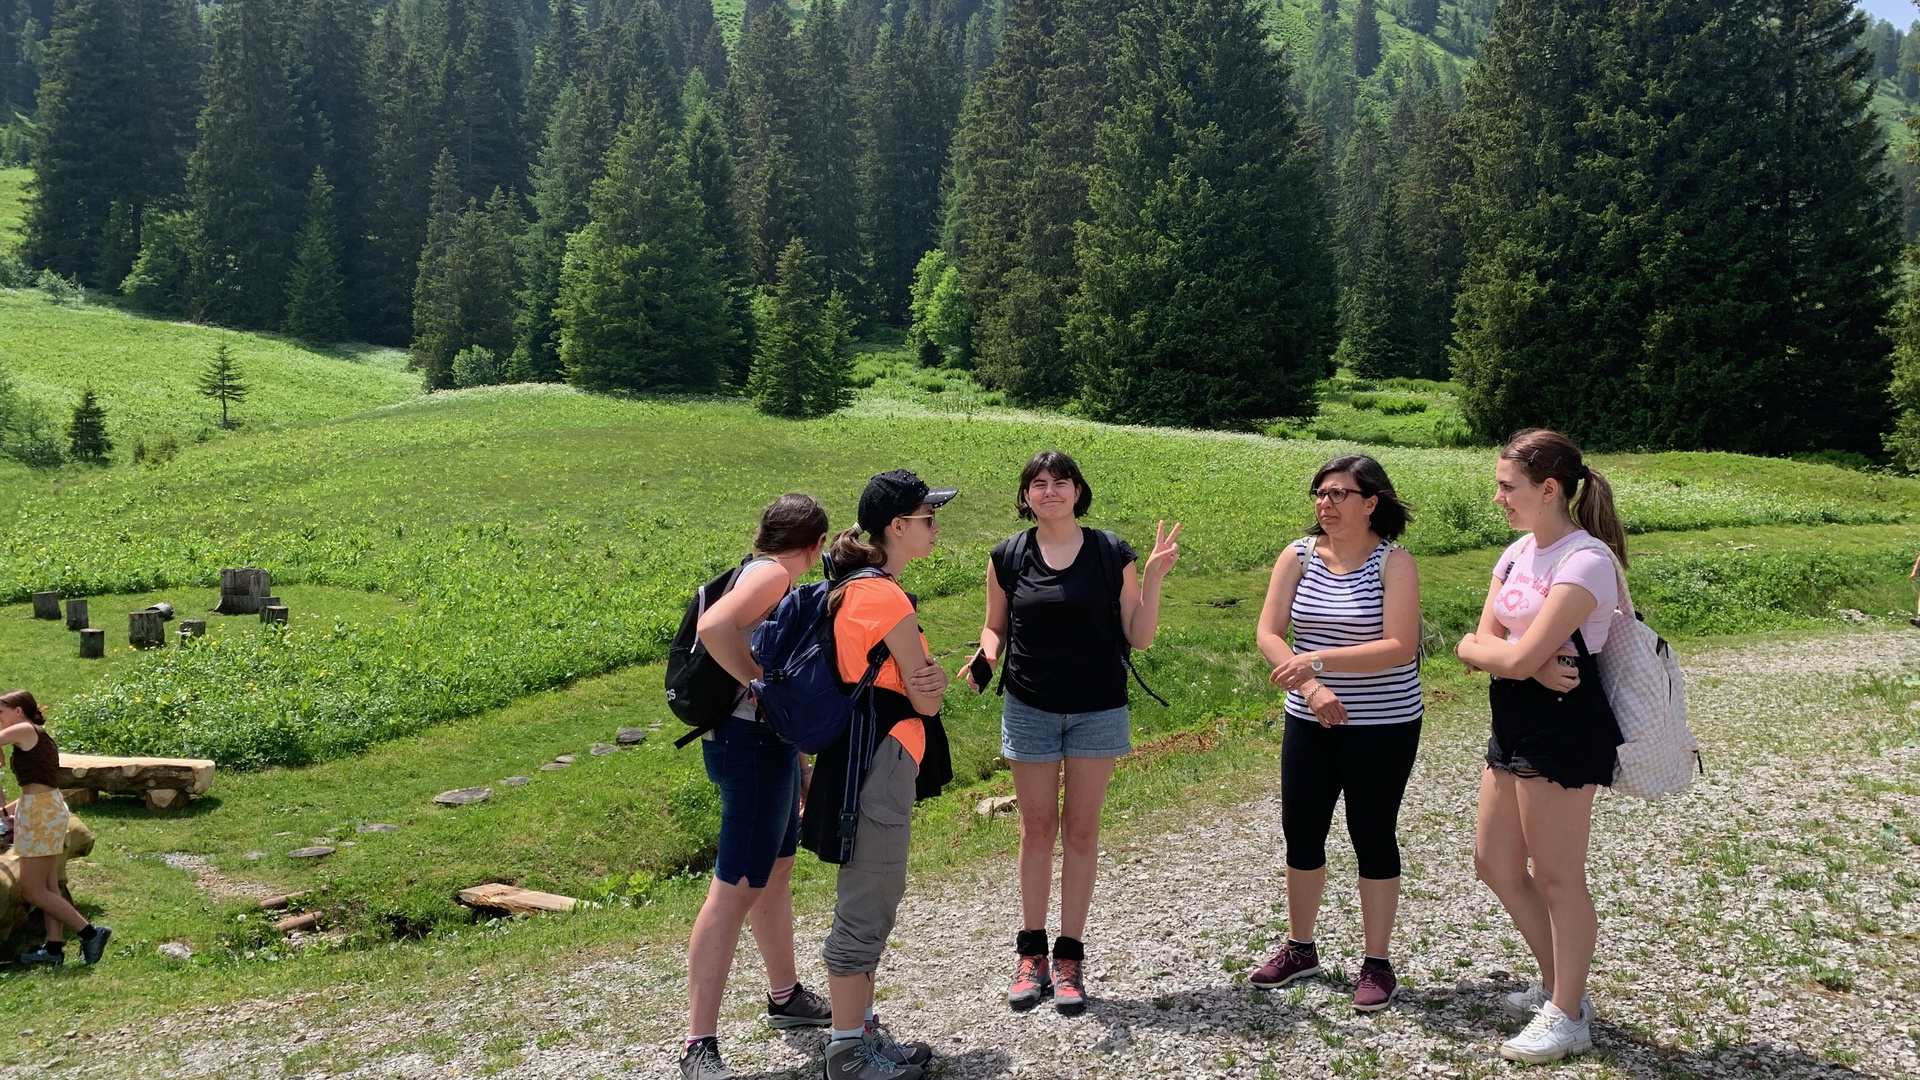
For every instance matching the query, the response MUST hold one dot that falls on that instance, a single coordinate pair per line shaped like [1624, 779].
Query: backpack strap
[1303, 548]
[1624, 601]
[862, 734]
[1010, 558]
[1107, 546]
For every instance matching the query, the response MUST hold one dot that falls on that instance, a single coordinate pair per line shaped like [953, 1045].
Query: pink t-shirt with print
[1533, 575]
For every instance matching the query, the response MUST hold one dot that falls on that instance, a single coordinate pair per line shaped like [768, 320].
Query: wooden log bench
[13, 909]
[164, 783]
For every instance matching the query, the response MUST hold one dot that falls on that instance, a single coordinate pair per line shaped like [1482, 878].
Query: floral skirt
[40, 822]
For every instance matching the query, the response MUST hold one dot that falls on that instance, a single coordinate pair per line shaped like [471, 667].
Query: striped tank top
[1333, 611]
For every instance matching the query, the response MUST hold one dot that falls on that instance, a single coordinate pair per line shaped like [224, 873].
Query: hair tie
[1586, 473]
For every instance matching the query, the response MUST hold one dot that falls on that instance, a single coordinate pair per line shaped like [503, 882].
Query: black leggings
[1370, 764]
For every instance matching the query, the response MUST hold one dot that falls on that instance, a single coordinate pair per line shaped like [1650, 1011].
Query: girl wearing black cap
[1066, 604]
[909, 762]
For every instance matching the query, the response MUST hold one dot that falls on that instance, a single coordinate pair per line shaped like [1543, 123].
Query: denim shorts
[759, 778]
[1030, 734]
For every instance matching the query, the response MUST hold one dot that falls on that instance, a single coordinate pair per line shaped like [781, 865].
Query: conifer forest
[1659, 224]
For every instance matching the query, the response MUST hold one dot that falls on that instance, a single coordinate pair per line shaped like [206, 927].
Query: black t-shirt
[1064, 650]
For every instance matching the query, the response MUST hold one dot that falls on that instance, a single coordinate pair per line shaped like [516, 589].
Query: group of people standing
[1065, 607]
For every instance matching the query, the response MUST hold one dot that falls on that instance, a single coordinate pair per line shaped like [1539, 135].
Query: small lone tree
[87, 432]
[221, 382]
[803, 365]
[315, 285]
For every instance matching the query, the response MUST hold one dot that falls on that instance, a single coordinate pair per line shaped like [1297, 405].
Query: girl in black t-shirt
[1064, 605]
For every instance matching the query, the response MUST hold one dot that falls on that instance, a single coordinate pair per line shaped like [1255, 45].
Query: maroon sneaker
[1376, 986]
[1030, 983]
[1069, 987]
[1293, 961]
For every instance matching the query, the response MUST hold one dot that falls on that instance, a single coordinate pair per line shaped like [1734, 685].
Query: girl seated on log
[40, 831]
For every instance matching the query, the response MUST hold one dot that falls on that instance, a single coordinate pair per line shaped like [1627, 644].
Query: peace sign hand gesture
[1166, 551]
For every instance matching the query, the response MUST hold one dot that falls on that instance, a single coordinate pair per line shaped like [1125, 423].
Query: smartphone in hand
[981, 670]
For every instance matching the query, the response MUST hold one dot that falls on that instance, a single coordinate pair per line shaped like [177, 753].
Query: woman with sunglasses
[1065, 604]
[1352, 598]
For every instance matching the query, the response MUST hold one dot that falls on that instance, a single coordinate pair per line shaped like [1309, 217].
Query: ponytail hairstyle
[20, 699]
[1544, 455]
[790, 523]
[848, 553]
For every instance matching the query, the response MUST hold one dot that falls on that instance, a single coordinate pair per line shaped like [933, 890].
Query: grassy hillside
[145, 371]
[13, 205]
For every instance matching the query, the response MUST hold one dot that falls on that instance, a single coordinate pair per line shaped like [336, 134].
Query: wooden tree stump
[77, 615]
[13, 909]
[275, 613]
[146, 630]
[93, 643]
[192, 628]
[242, 591]
[46, 605]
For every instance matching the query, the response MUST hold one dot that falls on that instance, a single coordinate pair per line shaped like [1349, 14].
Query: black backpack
[1106, 546]
[699, 691]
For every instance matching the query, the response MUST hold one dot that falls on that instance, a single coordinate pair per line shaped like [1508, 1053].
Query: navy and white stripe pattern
[1333, 611]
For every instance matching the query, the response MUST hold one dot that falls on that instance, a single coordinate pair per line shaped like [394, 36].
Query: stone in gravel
[376, 827]
[1851, 615]
[173, 950]
[314, 852]
[465, 796]
[553, 765]
[602, 749]
[564, 759]
[630, 736]
[516, 781]
[999, 804]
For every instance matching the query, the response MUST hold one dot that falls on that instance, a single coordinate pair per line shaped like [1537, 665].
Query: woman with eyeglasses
[1066, 605]
[1352, 599]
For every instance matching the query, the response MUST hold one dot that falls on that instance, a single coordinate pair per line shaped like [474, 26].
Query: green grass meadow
[13, 206]
[483, 580]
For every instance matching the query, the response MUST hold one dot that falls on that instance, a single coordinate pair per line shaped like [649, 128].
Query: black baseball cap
[896, 493]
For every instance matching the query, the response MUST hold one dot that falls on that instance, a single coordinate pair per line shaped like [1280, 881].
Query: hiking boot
[1069, 987]
[1550, 1036]
[861, 1059]
[1030, 983]
[804, 1009]
[916, 1054]
[702, 1062]
[1294, 961]
[1376, 986]
[42, 957]
[1522, 1004]
[93, 946]
[1915, 620]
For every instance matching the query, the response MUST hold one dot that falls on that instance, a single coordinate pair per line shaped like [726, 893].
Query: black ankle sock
[89, 932]
[1066, 948]
[1031, 943]
[57, 948]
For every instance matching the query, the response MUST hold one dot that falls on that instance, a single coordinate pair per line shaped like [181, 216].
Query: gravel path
[1761, 924]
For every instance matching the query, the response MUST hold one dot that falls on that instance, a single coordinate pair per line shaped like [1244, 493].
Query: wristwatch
[1313, 661]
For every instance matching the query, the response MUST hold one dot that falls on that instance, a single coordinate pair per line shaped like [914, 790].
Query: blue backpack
[800, 693]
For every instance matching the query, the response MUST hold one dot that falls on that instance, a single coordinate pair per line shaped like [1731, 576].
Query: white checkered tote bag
[1648, 692]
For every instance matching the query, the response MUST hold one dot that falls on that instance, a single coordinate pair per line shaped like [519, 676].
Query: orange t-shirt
[869, 610]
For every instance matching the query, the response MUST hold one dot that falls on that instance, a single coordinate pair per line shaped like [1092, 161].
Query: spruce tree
[330, 52]
[161, 280]
[1380, 312]
[1433, 170]
[437, 331]
[710, 168]
[87, 432]
[562, 181]
[556, 63]
[314, 287]
[485, 101]
[762, 95]
[912, 104]
[467, 286]
[1903, 440]
[248, 176]
[800, 365]
[1205, 295]
[643, 302]
[1421, 15]
[1366, 39]
[825, 148]
[222, 381]
[1328, 89]
[406, 143]
[1364, 174]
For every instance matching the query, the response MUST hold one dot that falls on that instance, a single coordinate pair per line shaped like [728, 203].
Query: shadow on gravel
[1469, 1013]
[965, 1065]
[1266, 1012]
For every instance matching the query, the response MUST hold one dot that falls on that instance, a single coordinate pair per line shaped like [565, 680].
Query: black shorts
[1571, 739]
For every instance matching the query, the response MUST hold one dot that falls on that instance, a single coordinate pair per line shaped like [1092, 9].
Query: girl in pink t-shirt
[1554, 738]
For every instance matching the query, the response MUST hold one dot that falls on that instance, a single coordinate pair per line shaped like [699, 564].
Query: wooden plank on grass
[513, 900]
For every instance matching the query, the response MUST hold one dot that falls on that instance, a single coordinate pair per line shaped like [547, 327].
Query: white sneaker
[1522, 1004]
[1551, 1036]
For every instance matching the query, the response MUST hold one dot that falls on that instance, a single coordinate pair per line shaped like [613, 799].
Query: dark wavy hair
[1061, 467]
[20, 699]
[1390, 516]
[791, 522]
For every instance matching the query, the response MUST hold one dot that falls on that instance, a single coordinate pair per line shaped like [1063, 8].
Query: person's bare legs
[710, 949]
[1500, 860]
[1305, 890]
[852, 996]
[1086, 795]
[771, 919]
[1557, 823]
[1379, 905]
[1036, 788]
[40, 888]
